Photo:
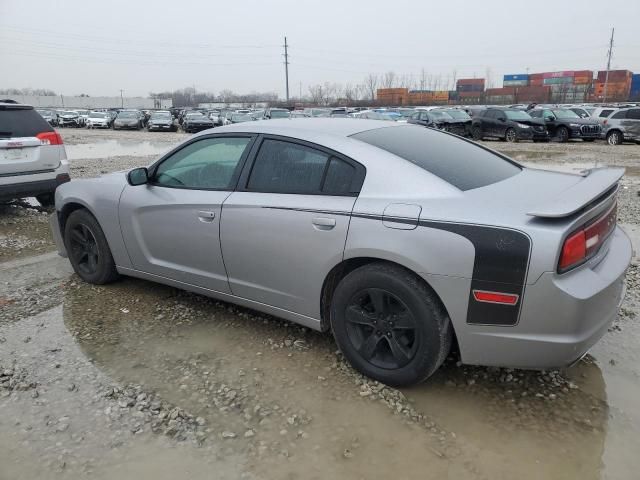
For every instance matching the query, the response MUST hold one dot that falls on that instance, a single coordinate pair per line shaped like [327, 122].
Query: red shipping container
[536, 76]
[470, 94]
[582, 80]
[583, 73]
[614, 75]
[470, 81]
[500, 91]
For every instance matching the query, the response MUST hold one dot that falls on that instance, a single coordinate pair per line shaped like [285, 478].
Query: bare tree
[389, 79]
[371, 85]
[316, 92]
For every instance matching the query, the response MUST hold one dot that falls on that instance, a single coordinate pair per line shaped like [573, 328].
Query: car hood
[581, 121]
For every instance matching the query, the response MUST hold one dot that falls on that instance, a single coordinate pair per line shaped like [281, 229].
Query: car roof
[340, 127]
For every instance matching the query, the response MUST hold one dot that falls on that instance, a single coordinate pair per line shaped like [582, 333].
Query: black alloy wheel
[83, 248]
[381, 328]
[562, 134]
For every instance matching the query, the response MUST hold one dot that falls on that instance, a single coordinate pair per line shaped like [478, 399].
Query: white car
[98, 120]
[33, 161]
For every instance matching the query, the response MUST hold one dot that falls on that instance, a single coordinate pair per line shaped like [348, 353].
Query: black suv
[441, 120]
[508, 124]
[564, 124]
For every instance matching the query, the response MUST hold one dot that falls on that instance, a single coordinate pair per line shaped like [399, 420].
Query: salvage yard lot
[170, 382]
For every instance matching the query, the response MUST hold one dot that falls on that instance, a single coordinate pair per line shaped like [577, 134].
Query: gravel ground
[140, 379]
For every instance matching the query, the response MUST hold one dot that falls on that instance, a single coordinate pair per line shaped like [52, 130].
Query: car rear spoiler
[596, 182]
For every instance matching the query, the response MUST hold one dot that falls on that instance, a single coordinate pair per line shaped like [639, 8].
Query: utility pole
[286, 66]
[121, 99]
[609, 53]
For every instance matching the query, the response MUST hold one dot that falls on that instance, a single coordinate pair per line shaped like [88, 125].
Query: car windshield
[280, 114]
[127, 115]
[440, 115]
[517, 115]
[462, 163]
[97, 115]
[562, 113]
[74, 114]
[161, 116]
[194, 115]
[459, 114]
[241, 117]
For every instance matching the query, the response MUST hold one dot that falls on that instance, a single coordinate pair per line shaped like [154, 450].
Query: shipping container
[614, 75]
[516, 77]
[470, 81]
[635, 82]
[536, 82]
[515, 83]
[536, 76]
[582, 80]
[557, 80]
[499, 91]
[535, 94]
[470, 88]
[567, 73]
[500, 99]
[583, 73]
[470, 94]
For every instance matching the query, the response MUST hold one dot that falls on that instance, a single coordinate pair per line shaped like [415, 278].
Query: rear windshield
[462, 163]
[21, 122]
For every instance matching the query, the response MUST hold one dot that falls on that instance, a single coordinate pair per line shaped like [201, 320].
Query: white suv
[33, 161]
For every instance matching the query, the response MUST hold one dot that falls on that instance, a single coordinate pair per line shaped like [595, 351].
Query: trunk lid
[21, 151]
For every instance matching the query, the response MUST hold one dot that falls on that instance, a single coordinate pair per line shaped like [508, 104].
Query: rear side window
[620, 114]
[634, 114]
[285, 167]
[339, 177]
[21, 122]
[605, 113]
[463, 164]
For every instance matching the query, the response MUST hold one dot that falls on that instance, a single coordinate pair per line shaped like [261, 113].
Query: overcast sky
[140, 46]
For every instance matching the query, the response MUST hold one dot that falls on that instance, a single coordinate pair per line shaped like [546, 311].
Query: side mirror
[138, 176]
[548, 118]
[502, 119]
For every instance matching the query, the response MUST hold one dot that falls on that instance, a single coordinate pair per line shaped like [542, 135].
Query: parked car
[49, 116]
[239, 118]
[127, 119]
[564, 124]
[582, 112]
[460, 116]
[298, 114]
[622, 126]
[68, 118]
[161, 120]
[213, 115]
[98, 120]
[508, 124]
[439, 119]
[82, 117]
[33, 161]
[277, 113]
[195, 122]
[602, 113]
[302, 220]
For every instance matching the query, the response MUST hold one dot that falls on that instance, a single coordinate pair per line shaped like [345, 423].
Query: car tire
[46, 199]
[390, 325]
[562, 134]
[88, 250]
[511, 135]
[476, 133]
[614, 137]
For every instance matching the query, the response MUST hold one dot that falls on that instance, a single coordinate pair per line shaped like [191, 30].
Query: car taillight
[50, 138]
[584, 243]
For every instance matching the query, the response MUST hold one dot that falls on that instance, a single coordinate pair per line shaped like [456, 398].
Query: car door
[171, 226]
[632, 123]
[500, 123]
[489, 123]
[550, 121]
[285, 227]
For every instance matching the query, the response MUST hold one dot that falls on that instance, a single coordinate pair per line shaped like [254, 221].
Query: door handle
[206, 216]
[324, 223]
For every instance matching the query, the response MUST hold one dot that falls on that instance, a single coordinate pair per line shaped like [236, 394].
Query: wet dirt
[251, 396]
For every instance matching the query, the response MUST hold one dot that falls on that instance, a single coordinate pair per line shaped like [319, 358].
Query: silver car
[622, 126]
[33, 160]
[400, 240]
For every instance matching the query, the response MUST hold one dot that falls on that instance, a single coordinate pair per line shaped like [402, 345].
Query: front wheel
[390, 325]
[562, 134]
[511, 136]
[614, 138]
[476, 133]
[88, 249]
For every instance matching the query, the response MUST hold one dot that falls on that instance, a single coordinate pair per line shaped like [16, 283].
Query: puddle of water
[116, 147]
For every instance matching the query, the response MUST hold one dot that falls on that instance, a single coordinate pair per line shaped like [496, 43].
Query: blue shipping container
[635, 81]
[517, 76]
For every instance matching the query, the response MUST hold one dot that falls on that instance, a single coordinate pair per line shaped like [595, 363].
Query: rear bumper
[31, 187]
[561, 318]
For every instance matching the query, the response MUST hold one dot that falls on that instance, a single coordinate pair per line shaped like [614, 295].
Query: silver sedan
[398, 239]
